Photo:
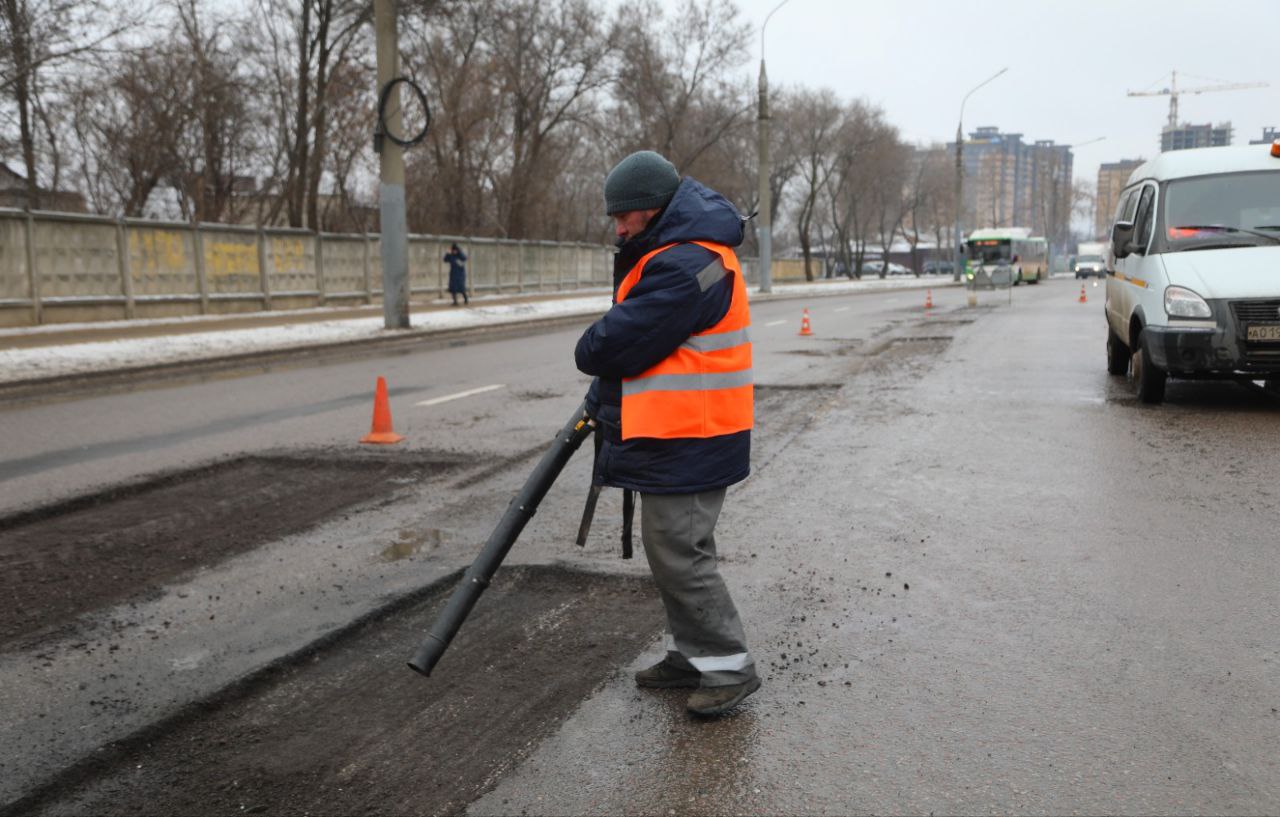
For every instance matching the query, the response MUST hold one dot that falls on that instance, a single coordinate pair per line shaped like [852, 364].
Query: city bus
[1015, 249]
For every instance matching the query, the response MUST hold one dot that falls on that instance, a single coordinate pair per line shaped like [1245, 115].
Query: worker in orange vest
[673, 400]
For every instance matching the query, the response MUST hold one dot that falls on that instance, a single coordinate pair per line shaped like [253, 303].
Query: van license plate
[1264, 333]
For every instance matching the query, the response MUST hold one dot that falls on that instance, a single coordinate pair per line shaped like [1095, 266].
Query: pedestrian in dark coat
[456, 259]
[672, 398]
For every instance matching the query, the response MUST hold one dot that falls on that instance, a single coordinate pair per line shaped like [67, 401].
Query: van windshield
[1236, 209]
[1089, 259]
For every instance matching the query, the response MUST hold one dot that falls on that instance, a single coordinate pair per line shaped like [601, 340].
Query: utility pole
[764, 224]
[395, 241]
[957, 240]
[1051, 228]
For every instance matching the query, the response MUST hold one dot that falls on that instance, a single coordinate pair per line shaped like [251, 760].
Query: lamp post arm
[768, 17]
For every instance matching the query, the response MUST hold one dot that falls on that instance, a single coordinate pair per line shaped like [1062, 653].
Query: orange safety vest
[703, 388]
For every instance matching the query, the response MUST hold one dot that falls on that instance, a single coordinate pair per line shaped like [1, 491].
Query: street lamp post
[958, 239]
[764, 226]
[1051, 222]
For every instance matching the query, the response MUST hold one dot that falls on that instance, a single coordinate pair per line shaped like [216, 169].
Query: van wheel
[1148, 379]
[1117, 355]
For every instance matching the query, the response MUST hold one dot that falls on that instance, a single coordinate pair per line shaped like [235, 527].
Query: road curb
[64, 384]
[54, 386]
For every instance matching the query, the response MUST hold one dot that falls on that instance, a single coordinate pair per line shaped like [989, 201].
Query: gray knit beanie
[642, 181]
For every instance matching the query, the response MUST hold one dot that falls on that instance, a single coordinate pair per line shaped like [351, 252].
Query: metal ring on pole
[382, 131]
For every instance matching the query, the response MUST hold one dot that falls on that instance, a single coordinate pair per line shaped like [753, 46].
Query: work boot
[664, 675]
[710, 701]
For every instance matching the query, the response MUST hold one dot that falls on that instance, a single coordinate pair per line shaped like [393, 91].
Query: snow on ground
[79, 358]
[52, 361]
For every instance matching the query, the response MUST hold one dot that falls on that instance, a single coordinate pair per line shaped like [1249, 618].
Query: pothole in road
[64, 560]
[347, 728]
[904, 349]
[412, 541]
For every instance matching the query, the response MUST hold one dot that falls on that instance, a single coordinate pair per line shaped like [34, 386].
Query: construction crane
[1173, 90]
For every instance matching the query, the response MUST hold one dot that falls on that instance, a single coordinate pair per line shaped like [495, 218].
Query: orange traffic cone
[928, 299]
[1083, 299]
[804, 323]
[381, 431]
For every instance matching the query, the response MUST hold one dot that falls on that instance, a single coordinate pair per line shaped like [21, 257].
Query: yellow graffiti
[289, 256]
[158, 252]
[229, 259]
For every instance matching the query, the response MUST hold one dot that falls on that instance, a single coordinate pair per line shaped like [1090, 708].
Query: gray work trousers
[678, 534]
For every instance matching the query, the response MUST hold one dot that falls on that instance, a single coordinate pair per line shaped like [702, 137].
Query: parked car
[938, 268]
[1193, 290]
[876, 267]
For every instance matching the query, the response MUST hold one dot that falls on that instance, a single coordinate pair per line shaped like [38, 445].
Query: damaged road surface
[976, 574]
[345, 728]
[77, 556]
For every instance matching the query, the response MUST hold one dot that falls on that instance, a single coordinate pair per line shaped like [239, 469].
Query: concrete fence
[61, 267]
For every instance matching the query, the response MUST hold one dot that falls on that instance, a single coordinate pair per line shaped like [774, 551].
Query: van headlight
[1180, 302]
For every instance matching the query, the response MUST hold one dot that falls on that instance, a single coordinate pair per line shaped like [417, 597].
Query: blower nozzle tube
[517, 515]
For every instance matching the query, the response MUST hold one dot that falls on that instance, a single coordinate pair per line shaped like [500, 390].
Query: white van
[1193, 273]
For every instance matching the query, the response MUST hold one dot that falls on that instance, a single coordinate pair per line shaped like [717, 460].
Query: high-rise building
[1010, 183]
[1112, 177]
[1269, 135]
[1187, 136]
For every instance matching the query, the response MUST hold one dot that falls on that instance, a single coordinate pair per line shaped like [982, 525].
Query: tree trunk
[16, 12]
[296, 185]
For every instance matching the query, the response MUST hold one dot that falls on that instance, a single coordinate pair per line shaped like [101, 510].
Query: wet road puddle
[410, 542]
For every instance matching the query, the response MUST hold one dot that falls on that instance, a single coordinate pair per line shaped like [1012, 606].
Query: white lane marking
[841, 309]
[435, 401]
[776, 323]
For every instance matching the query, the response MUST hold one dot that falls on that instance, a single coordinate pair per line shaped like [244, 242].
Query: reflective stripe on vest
[702, 389]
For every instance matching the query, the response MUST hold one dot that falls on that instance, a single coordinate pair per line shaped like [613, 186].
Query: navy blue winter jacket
[661, 312]
[457, 271]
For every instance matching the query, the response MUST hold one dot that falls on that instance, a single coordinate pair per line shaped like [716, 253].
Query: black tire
[1148, 379]
[1117, 355]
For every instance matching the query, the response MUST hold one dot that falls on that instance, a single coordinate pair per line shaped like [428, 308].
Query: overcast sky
[1070, 64]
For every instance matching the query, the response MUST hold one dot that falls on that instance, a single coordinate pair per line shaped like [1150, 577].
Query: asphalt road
[977, 574]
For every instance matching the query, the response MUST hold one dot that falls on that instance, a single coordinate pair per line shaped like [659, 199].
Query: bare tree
[851, 181]
[887, 183]
[675, 90]
[938, 191]
[814, 121]
[220, 139]
[550, 60]
[127, 135]
[306, 42]
[447, 181]
[37, 37]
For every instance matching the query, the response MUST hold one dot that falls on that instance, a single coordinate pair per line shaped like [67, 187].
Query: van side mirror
[1121, 233]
